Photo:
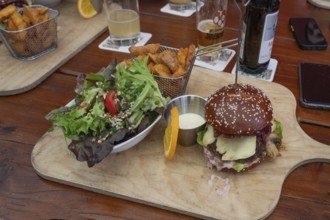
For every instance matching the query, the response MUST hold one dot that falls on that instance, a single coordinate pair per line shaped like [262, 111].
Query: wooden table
[25, 195]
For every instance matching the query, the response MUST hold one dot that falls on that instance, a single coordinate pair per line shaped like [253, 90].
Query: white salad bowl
[136, 139]
[132, 141]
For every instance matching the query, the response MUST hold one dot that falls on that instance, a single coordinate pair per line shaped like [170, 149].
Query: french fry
[151, 66]
[6, 12]
[31, 14]
[27, 20]
[170, 59]
[26, 42]
[162, 70]
[41, 10]
[154, 57]
[164, 52]
[166, 63]
[182, 56]
[17, 24]
[43, 17]
[11, 26]
[191, 54]
[179, 72]
[143, 50]
[18, 21]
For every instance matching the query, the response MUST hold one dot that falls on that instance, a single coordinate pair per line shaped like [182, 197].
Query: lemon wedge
[171, 133]
[86, 9]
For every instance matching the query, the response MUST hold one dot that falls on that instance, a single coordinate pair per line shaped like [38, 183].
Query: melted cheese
[236, 148]
[208, 137]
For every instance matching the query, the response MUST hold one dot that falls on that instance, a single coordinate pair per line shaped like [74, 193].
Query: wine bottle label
[268, 37]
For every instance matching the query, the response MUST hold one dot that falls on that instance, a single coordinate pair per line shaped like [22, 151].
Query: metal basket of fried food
[29, 32]
[170, 66]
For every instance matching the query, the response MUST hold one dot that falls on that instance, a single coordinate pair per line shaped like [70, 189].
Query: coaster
[183, 13]
[217, 63]
[267, 75]
[105, 45]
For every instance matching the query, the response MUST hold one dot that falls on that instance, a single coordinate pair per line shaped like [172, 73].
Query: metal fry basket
[34, 41]
[173, 87]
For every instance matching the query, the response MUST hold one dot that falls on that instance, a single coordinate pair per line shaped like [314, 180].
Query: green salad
[110, 107]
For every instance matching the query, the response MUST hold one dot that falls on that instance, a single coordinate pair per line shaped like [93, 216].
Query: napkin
[184, 13]
[267, 75]
[144, 38]
[218, 63]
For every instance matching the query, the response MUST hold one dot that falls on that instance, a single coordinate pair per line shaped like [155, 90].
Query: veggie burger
[241, 131]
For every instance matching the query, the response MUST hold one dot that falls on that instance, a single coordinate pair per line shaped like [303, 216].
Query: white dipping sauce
[190, 121]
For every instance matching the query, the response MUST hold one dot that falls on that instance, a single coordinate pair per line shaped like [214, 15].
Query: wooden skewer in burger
[240, 131]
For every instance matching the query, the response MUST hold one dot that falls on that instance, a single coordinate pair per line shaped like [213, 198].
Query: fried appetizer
[6, 12]
[170, 59]
[143, 50]
[191, 54]
[18, 21]
[28, 41]
[155, 58]
[166, 63]
[179, 72]
[182, 57]
[162, 70]
[32, 14]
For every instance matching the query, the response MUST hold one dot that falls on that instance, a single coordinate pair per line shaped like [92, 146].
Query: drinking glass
[123, 21]
[210, 21]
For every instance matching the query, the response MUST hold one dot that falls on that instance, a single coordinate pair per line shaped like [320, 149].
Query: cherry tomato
[110, 102]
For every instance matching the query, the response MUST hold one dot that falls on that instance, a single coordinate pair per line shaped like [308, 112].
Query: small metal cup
[187, 104]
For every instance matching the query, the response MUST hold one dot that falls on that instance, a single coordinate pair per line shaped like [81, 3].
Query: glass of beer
[123, 21]
[210, 22]
[180, 5]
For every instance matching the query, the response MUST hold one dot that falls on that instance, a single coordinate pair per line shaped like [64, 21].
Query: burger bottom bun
[214, 162]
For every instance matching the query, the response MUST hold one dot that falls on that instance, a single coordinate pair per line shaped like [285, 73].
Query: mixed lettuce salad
[110, 107]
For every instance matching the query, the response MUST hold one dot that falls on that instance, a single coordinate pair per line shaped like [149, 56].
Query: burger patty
[261, 140]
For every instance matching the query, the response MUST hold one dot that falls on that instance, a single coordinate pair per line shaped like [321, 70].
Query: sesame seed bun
[238, 109]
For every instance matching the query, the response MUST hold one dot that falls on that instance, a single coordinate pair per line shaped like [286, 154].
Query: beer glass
[123, 21]
[210, 21]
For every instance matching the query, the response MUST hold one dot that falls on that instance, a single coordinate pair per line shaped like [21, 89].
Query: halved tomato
[110, 102]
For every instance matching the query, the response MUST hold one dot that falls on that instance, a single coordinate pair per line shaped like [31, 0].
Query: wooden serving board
[142, 174]
[74, 34]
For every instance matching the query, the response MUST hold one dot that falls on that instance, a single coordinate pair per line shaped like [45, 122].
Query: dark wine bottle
[258, 31]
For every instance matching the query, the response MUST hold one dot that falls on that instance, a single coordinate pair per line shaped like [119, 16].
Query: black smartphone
[314, 79]
[307, 33]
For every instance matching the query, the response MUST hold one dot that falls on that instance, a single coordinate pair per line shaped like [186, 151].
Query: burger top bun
[238, 109]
